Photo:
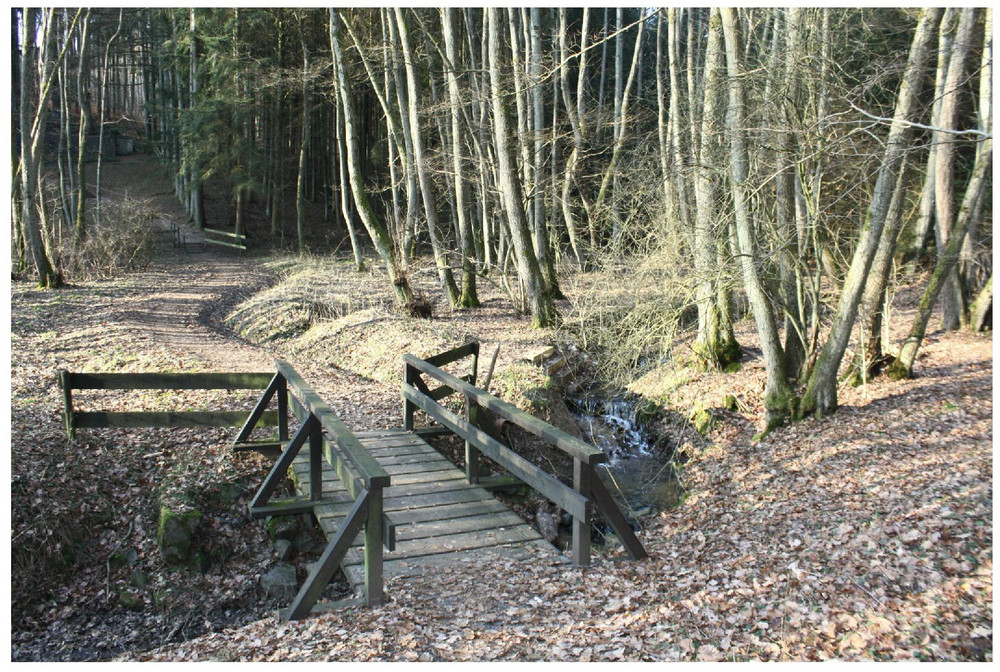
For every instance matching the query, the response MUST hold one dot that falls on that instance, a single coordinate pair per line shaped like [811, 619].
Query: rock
[612, 542]
[139, 580]
[282, 527]
[667, 495]
[200, 562]
[131, 600]
[304, 542]
[127, 557]
[174, 534]
[701, 419]
[280, 581]
[539, 355]
[283, 549]
[548, 522]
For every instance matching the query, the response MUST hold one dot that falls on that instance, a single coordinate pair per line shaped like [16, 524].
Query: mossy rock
[667, 495]
[131, 600]
[199, 562]
[701, 419]
[282, 527]
[175, 533]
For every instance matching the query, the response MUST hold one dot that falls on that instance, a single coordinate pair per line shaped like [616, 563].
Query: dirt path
[186, 304]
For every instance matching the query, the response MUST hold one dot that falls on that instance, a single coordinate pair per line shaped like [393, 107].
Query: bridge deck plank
[440, 518]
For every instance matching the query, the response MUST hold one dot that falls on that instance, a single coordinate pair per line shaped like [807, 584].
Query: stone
[280, 581]
[283, 549]
[200, 562]
[131, 600]
[304, 542]
[127, 557]
[138, 580]
[282, 527]
[548, 523]
[174, 534]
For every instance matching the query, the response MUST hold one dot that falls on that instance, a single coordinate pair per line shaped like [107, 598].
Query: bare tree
[511, 192]
[820, 397]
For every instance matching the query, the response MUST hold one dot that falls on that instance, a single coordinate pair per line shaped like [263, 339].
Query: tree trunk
[82, 95]
[104, 105]
[376, 227]
[197, 197]
[468, 299]
[542, 248]
[300, 184]
[820, 397]
[36, 77]
[445, 275]
[869, 357]
[975, 192]
[944, 158]
[981, 311]
[715, 343]
[574, 112]
[778, 396]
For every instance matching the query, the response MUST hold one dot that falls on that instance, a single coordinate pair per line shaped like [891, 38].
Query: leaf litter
[863, 536]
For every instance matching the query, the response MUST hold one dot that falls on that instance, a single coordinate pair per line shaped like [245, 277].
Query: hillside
[863, 536]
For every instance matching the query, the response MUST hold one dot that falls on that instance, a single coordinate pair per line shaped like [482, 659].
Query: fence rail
[156, 381]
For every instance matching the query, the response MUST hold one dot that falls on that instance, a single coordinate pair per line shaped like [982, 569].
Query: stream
[640, 470]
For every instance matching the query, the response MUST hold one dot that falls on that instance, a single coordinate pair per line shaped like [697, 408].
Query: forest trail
[184, 305]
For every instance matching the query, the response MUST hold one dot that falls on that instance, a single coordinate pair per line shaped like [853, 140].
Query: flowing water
[640, 470]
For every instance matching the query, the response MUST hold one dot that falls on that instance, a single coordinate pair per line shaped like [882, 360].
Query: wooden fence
[362, 477]
[157, 381]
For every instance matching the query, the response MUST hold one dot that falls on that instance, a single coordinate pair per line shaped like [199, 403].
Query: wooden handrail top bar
[168, 381]
[567, 442]
[371, 471]
[454, 354]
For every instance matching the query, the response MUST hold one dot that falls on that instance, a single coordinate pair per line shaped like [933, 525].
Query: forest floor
[866, 535]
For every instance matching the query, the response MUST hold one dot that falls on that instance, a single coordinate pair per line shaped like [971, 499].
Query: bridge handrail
[587, 488]
[568, 443]
[370, 471]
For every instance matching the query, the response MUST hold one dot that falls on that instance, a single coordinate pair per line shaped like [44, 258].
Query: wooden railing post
[65, 382]
[282, 393]
[583, 473]
[409, 373]
[315, 460]
[373, 549]
[471, 452]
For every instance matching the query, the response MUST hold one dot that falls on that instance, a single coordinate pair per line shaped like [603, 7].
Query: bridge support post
[583, 474]
[373, 549]
[282, 392]
[315, 462]
[409, 408]
[471, 452]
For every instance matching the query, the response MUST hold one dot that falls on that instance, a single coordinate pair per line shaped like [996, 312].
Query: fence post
[315, 459]
[373, 548]
[582, 475]
[65, 382]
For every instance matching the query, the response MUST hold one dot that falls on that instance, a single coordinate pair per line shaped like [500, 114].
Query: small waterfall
[611, 423]
[640, 470]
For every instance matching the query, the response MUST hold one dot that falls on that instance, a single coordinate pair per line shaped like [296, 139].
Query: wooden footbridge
[389, 503]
